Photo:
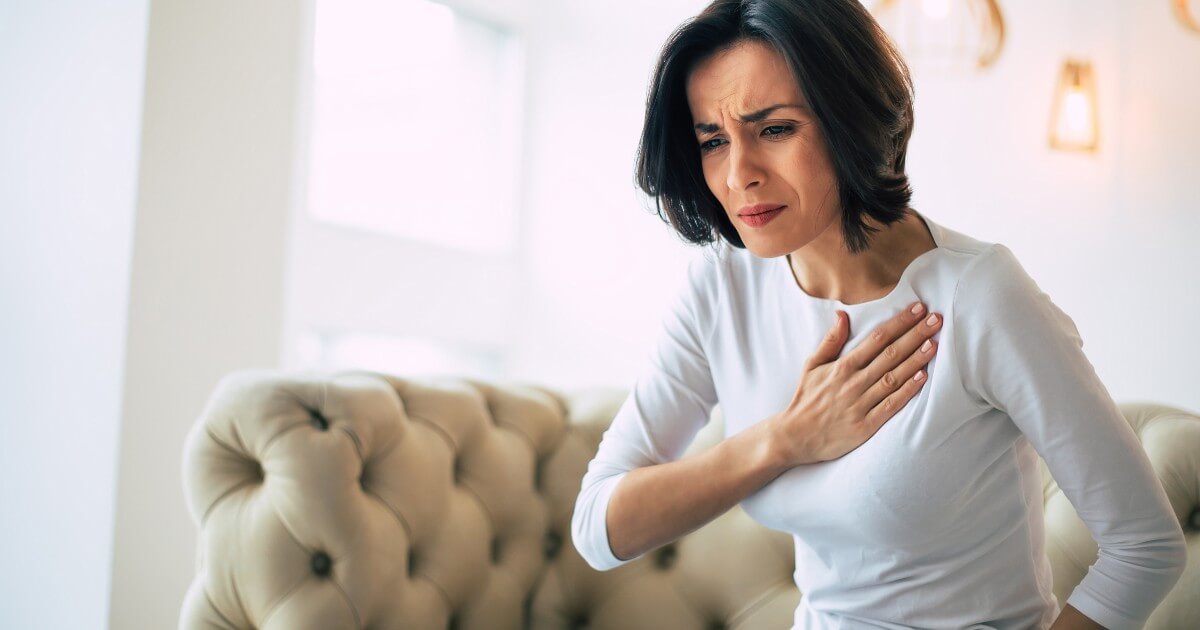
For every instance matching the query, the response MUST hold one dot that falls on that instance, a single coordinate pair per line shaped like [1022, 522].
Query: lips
[762, 218]
[758, 208]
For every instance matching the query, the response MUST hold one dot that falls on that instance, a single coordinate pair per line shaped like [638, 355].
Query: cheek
[714, 178]
[813, 163]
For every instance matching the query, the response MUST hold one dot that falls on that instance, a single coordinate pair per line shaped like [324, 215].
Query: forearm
[1071, 619]
[655, 505]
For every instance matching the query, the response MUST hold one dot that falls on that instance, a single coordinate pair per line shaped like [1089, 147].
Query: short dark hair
[857, 86]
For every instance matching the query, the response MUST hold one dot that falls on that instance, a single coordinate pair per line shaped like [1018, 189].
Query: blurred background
[190, 188]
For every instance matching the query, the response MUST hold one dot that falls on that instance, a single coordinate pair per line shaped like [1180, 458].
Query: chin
[764, 248]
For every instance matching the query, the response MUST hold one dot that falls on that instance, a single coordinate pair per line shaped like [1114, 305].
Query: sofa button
[665, 558]
[1194, 519]
[318, 420]
[321, 564]
[551, 545]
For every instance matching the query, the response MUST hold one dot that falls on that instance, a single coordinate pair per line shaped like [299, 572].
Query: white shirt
[936, 520]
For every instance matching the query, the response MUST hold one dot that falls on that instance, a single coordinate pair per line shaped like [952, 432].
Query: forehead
[741, 79]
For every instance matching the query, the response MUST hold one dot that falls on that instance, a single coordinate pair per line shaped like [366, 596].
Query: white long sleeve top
[936, 521]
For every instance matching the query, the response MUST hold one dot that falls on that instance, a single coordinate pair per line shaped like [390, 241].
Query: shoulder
[995, 279]
[985, 271]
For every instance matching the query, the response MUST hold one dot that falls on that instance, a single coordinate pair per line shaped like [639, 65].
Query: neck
[824, 268]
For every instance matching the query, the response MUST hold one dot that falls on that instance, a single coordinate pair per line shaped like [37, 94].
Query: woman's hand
[841, 403]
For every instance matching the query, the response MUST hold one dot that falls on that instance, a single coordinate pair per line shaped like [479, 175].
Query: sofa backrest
[365, 500]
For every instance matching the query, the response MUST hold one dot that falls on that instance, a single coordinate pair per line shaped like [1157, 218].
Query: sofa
[357, 499]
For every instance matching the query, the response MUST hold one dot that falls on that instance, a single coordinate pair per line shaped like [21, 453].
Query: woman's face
[755, 152]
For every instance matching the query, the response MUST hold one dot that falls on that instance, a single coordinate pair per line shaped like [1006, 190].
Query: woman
[779, 128]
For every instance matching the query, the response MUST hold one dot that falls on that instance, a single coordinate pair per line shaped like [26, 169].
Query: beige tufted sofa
[363, 500]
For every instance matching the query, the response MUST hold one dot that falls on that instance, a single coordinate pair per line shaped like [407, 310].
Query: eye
[707, 146]
[782, 130]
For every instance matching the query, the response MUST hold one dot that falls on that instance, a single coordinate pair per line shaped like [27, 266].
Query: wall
[207, 285]
[71, 76]
[1110, 236]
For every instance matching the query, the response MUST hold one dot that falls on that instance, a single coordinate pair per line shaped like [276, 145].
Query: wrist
[779, 448]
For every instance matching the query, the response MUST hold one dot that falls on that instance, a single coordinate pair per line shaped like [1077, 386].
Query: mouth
[759, 219]
[757, 209]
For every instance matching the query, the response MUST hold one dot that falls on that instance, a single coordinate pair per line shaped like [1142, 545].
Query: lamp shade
[953, 35]
[1188, 12]
[1074, 119]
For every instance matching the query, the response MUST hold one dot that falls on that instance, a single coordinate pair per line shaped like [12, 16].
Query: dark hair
[857, 86]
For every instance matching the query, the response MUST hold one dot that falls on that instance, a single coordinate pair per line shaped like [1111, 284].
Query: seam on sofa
[353, 609]
[213, 436]
[441, 593]
[512, 428]
[482, 506]
[267, 447]
[224, 495]
[358, 447]
[213, 606]
[438, 429]
[279, 601]
[760, 601]
[399, 517]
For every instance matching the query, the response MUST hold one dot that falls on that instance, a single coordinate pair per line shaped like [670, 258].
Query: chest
[904, 485]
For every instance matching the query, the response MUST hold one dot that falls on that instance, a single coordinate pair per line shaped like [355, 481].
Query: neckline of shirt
[830, 304]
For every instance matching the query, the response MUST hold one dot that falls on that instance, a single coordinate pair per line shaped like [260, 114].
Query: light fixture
[1190, 18]
[946, 34]
[1074, 123]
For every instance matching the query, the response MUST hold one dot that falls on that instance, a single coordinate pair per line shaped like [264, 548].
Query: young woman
[910, 484]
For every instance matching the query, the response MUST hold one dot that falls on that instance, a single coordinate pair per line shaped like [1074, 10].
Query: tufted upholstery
[363, 500]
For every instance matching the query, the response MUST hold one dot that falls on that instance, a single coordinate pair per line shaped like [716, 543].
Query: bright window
[407, 357]
[415, 123]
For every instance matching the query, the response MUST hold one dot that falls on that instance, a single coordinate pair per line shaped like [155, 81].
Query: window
[415, 123]
[410, 357]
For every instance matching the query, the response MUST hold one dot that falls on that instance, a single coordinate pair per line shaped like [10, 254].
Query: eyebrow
[748, 118]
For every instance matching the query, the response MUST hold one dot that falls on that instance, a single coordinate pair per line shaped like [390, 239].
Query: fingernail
[918, 308]
[932, 321]
[926, 346]
[920, 376]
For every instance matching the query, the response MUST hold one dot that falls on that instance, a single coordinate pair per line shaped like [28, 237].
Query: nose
[744, 170]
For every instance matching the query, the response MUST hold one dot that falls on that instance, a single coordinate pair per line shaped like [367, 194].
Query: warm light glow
[1188, 12]
[948, 35]
[1074, 123]
[1077, 115]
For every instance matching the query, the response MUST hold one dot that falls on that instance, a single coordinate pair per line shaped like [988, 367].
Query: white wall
[600, 265]
[71, 80]
[206, 294]
[1112, 237]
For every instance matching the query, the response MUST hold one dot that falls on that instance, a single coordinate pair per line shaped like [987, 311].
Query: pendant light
[1074, 123]
[956, 35]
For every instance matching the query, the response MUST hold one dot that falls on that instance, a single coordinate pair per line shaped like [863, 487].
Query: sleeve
[670, 402]
[1023, 356]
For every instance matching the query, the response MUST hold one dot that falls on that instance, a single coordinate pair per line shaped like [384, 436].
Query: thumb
[831, 346]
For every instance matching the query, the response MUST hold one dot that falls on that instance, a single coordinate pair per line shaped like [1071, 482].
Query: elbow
[1179, 554]
[589, 532]
[1164, 556]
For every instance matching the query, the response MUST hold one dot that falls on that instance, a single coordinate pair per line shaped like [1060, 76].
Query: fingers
[831, 346]
[895, 401]
[899, 384]
[887, 332]
[900, 350]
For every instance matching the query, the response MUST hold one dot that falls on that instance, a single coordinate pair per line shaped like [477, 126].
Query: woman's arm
[1023, 356]
[655, 505]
